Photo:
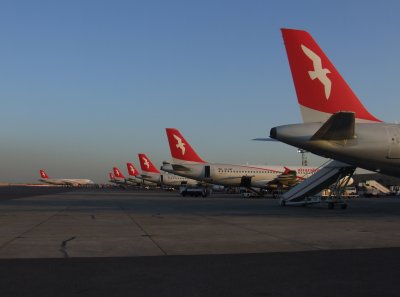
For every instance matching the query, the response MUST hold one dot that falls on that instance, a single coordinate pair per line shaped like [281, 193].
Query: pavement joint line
[21, 235]
[63, 247]
[260, 232]
[146, 234]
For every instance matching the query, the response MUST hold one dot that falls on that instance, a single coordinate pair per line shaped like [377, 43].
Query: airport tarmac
[102, 242]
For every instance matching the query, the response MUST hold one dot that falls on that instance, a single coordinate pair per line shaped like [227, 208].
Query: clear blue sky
[85, 85]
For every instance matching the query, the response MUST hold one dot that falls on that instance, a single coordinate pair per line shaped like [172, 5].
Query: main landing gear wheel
[331, 205]
[343, 206]
[283, 202]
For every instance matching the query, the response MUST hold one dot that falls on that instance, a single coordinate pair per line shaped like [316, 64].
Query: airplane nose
[272, 133]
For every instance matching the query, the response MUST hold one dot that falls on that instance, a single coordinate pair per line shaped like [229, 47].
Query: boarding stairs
[332, 172]
[376, 185]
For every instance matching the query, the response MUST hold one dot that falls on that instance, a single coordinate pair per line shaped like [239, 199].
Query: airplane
[186, 162]
[335, 124]
[120, 179]
[111, 177]
[114, 181]
[152, 174]
[63, 181]
[134, 176]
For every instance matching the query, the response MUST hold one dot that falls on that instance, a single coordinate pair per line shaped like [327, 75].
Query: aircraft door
[245, 181]
[207, 171]
[394, 142]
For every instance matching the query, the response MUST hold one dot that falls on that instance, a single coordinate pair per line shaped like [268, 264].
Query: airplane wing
[286, 179]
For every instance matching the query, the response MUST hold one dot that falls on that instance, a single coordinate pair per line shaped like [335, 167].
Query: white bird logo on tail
[180, 144]
[146, 162]
[318, 72]
[132, 169]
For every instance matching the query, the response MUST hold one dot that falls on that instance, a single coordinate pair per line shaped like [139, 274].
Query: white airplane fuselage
[67, 181]
[235, 175]
[133, 180]
[167, 179]
[119, 181]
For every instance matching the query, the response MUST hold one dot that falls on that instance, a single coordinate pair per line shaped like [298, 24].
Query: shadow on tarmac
[371, 272]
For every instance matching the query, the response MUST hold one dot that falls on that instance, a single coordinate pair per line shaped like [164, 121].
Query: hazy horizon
[87, 85]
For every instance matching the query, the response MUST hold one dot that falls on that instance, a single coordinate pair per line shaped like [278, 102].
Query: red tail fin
[43, 174]
[321, 90]
[131, 169]
[287, 170]
[118, 173]
[180, 148]
[146, 164]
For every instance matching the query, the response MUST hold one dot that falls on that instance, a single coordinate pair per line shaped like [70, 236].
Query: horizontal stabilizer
[144, 176]
[339, 126]
[264, 139]
[177, 167]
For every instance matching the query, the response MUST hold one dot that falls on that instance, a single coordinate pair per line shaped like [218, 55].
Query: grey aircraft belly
[373, 146]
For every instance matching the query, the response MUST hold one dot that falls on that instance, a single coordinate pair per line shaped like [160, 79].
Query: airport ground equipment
[376, 185]
[194, 191]
[335, 174]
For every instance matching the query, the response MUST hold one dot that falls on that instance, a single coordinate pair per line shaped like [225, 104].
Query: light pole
[303, 153]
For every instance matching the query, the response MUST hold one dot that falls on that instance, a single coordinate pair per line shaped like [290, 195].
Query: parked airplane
[121, 180]
[135, 177]
[63, 181]
[152, 174]
[115, 181]
[133, 174]
[111, 177]
[186, 162]
[336, 124]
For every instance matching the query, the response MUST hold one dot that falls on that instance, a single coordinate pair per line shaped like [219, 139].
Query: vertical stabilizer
[132, 169]
[321, 90]
[43, 174]
[118, 173]
[181, 150]
[146, 165]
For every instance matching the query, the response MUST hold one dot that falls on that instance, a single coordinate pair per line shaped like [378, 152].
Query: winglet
[146, 164]
[339, 126]
[321, 90]
[180, 148]
[131, 169]
[43, 174]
